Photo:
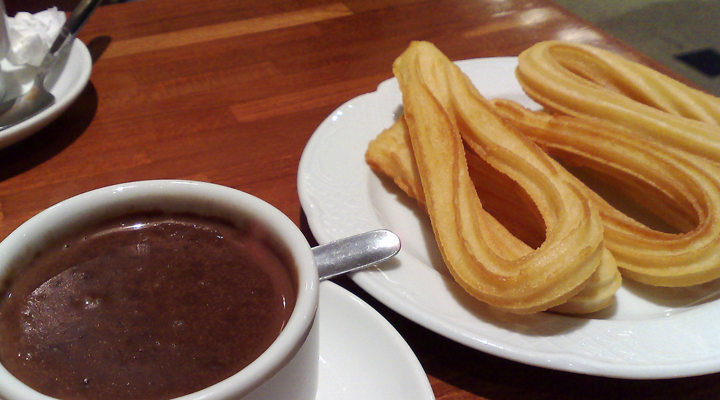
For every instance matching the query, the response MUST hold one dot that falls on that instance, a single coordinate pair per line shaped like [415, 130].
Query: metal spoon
[38, 97]
[355, 252]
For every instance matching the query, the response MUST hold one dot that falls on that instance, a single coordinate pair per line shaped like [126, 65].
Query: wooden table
[229, 91]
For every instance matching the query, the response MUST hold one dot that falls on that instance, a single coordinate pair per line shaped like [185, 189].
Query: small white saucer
[361, 355]
[66, 80]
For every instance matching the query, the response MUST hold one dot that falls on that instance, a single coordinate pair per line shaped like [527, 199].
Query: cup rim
[177, 195]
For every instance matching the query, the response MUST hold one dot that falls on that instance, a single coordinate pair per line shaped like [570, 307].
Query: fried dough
[585, 81]
[681, 189]
[517, 225]
[442, 111]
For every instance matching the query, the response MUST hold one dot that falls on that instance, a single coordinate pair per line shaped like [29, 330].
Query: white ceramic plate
[361, 355]
[650, 333]
[66, 80]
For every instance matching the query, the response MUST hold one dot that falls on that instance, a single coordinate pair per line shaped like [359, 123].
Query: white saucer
[361, 355]
[66, 80]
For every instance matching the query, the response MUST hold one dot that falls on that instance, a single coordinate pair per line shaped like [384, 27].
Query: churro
[441, 110]
[681, 189]
[517, 225]
[586, 81]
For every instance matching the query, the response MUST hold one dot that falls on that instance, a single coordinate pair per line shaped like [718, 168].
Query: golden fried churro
[582, 80]
[681, 189]
[390, 153]
[440, 104]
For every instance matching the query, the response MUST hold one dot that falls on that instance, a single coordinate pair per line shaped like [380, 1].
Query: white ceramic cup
[286, 370]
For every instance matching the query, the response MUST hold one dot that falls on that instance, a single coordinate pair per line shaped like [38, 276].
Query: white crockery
[66, 81]
[362, 356]
[287, 369]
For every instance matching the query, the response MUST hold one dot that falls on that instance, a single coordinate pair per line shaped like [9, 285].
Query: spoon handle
[72, 25]
[355, 252]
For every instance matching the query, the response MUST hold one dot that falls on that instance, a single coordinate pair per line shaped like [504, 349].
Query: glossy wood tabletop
[229, 91]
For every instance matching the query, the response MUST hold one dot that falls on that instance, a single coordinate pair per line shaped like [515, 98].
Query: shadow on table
[62, 132]
[51, 140]
[97, 47]
[305, 229]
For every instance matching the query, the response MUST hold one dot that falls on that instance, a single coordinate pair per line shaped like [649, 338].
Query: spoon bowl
[355, 252]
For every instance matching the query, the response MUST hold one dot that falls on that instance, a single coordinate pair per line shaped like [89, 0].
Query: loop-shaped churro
[390, 154]
[681, 189]
[586, 81]
[440, 104]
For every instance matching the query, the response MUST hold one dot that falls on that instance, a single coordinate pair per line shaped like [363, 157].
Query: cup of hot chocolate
[156, 290]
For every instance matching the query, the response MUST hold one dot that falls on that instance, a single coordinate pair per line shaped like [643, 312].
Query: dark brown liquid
[144, 307]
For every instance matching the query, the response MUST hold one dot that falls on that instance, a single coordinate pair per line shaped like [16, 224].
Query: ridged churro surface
[655, 138]
[442, 111]
[585, 81]
[680, 189]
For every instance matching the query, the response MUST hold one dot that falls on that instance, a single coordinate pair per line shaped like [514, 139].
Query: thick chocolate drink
[148, 306]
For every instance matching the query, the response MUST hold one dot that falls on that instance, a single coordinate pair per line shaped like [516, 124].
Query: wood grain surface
[229, 91]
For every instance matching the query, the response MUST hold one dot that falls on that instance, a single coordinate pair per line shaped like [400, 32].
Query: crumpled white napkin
[31, 35]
